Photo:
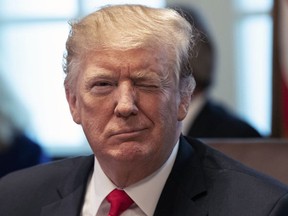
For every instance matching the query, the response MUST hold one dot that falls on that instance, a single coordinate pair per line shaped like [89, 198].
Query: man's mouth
[128, 133]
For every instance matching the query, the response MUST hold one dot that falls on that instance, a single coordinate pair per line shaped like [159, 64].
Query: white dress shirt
[145, 193]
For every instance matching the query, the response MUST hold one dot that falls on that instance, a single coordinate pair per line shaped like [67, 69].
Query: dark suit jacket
[215, 121]
[202, 182]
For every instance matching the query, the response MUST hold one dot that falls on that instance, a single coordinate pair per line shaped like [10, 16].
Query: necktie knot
[120, 201]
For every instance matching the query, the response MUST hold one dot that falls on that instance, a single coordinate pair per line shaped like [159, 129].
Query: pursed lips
[133, 131]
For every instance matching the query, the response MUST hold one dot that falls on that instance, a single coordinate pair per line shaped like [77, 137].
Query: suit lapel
[71, 191]
[185, 190]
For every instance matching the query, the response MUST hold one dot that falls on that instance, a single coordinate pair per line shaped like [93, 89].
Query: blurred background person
[17, 150]
[208, 118]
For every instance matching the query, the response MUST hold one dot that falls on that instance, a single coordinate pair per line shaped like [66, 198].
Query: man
[208, 118]
[129, 87]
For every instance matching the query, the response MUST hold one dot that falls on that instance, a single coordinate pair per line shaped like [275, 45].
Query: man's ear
[183, 106]
[73, 105]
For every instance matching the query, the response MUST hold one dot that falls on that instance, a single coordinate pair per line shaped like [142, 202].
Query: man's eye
[102, 84]
[151, 86]
[101, 87]
[148, 85]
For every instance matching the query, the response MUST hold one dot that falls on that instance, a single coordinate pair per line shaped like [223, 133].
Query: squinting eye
[103, 84]
[148, 86]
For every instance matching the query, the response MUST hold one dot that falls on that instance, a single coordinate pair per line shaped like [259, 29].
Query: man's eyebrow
[145, 75]
[100, 73]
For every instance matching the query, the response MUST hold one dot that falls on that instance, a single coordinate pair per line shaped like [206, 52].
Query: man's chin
[129, 151]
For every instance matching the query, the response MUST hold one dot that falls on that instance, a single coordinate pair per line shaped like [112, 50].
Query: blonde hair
[124, 27]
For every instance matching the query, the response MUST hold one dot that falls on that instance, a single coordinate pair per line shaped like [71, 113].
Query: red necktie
[120, 202]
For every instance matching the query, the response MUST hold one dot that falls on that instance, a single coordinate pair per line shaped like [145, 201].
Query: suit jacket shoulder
[203, 181]
[30, 191]
[214, 120]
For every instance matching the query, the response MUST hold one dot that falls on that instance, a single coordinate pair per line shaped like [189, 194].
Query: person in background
[128, 84]
[17, 150]
[208, 118]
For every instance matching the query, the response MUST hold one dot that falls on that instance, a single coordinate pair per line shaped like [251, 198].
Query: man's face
[128, 105]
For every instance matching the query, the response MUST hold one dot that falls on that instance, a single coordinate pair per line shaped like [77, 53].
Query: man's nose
[126, 101]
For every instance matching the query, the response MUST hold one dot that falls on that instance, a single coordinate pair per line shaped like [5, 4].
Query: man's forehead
[138, 61]
[95, 71]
